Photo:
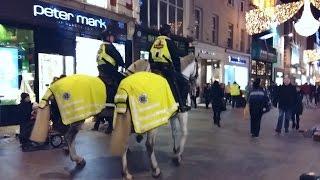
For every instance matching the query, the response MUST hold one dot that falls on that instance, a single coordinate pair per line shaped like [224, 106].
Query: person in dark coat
[216, 101]
[24, 113]
[258, 100]
[207, 94]
[298, 109]
[286, 99]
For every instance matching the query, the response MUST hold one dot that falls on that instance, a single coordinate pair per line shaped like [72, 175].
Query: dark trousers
[256, 115]
[316, 99]
[216, 117]
[286, 114]
[235, 100]
[111, 72]
[295, 120]
[228, 97]
[207, 103]
[172, 78]
[194, 101]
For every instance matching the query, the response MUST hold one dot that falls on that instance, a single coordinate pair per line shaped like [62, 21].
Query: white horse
[189, 68]
[123, 124]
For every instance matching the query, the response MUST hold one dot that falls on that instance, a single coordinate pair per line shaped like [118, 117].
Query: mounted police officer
[109, 59]
[165, 58]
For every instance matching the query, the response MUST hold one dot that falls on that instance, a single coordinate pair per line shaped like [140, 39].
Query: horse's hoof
[156, 174]
[176, 150]
[81, 164]
[176, 160]
[127, 177]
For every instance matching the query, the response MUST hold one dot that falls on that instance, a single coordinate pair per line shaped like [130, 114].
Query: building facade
[40, 40]
[221, 42]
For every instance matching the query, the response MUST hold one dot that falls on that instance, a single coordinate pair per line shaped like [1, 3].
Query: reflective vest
[160, 51]
[150, 99]
[234, 90]
[103, 57]
[78, 97]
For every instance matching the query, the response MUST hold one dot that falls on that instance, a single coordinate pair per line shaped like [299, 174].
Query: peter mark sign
[39, 10]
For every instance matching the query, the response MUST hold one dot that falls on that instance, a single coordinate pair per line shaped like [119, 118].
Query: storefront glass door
[236, 74]
[86, 53]
[53, 65]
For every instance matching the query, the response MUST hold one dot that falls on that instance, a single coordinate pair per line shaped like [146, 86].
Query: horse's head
[189, 68]
[138, 66]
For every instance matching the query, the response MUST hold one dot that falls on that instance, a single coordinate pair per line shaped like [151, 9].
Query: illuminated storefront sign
[237, 60]
[49, 12]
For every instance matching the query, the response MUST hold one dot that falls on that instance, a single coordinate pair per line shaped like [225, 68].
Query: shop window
[179, 21]
[180, 3]
[231, 3]
[242, 6]
[198, 18]
[230, 36]
[261, 68]
[254, 67]
[242, 40]
[144, 12]
[172, 18]
[164, 13]
[215, 29]
[99, 3]
[153, 14]
[16, 64]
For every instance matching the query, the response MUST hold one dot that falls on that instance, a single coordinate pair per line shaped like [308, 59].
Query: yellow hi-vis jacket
[78, 97]
[160, 51]
[150, 99]
[102, 56]
[234, 90]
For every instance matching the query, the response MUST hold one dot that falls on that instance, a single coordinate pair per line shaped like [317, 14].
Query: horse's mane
[186, 60]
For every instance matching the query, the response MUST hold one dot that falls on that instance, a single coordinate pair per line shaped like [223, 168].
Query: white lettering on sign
[39, 10]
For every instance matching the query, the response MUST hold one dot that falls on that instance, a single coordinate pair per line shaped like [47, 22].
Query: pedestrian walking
[235, 93]
[286, 101]
[298, 109]
[217, 102]
[207, 94]
[227, 93]
[258, 104]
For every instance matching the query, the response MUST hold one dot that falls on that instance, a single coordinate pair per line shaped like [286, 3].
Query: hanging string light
[259, 20]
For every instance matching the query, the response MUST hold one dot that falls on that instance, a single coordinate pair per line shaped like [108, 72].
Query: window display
[236, 74]
[16, 59]
[86, 54]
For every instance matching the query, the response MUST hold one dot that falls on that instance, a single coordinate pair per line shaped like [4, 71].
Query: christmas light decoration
[307, 25]
[311, 55]
[259, 20]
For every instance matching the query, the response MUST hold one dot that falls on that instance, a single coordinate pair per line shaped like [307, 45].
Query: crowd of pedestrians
[288, 98]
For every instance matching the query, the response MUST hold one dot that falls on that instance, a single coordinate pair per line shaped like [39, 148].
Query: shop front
[41, 41]
[236, 68]
[262, 61]
[144, 37]
[210, 58]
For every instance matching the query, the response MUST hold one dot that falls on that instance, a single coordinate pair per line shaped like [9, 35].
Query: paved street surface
[211, 153]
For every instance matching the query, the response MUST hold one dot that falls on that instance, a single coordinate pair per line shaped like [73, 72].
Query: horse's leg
[125, 171]
[174, 132]
[151, 138]
[70, 138]
[183, 119]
